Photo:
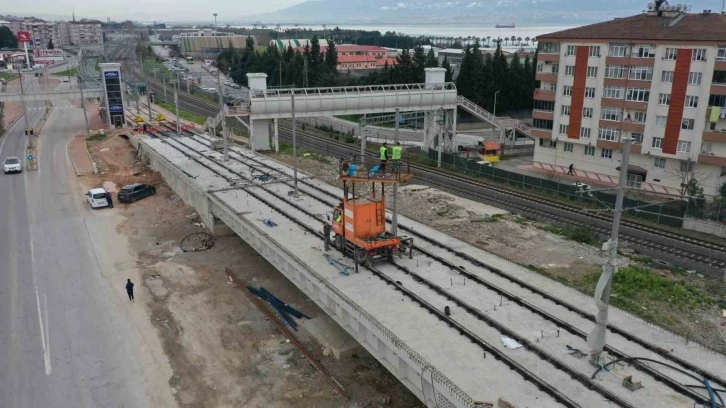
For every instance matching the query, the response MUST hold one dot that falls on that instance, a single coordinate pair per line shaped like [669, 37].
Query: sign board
[111, 74]
[116, 108]
[23, 36]
[48, 53]
[30, 157]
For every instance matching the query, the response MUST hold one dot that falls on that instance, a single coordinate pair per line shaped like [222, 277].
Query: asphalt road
[68, 336]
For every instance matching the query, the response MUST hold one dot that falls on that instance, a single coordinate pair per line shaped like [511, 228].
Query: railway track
[195, 148]
[707, 256]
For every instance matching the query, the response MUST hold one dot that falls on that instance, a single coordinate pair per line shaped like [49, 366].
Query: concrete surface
[70, 338]
[79, 156]
[329, 333]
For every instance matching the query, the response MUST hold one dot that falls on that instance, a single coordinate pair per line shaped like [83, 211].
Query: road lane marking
[46, 345]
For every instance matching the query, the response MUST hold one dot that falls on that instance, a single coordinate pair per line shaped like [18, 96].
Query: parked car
[132, 192]
[12, 165]
[96, 198]
[581, 186]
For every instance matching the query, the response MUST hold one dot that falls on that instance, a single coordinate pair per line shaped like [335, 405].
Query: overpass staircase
[508, 125]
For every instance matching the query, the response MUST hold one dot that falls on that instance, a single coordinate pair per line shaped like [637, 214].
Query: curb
[73, 162]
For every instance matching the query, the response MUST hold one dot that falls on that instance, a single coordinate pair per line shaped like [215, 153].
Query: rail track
[196, 147]
[708, 256]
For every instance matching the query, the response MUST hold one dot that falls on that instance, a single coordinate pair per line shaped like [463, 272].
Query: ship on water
[505, 26]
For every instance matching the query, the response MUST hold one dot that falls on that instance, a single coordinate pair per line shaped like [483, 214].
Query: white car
[12, 165]
[581, 186]
[96, 198]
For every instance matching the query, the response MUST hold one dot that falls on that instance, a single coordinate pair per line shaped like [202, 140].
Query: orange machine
[365, 235]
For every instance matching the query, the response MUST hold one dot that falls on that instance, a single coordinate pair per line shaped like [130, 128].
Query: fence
[671, 214]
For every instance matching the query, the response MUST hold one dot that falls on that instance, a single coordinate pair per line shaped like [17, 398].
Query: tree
[51, 46]
[431, 61]
[419, 64]
[7, 39]
[250, 43]
[448, 75]
[331, 57]
[696, 199]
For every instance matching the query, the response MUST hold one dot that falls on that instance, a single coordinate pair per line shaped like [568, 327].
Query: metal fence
[671, 213]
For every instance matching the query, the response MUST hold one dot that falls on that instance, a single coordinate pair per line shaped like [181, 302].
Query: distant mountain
[431, 11]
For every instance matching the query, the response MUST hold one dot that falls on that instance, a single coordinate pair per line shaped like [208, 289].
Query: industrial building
[658, 78]
[209, 46]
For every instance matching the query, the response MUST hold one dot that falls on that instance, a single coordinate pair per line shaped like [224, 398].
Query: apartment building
[41, 32]
[84, 33]
[658, 78]
[62, 33]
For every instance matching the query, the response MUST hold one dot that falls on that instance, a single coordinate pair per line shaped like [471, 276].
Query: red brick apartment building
[659, 78]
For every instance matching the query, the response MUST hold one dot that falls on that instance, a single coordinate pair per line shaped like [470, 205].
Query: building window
[592, 72]
[660, 121]
[688, 124]
[666, 76]
[555, 69]
[638, 94]
[643, 51]
[618, 50]
[707, 147]
[695, 78]
[567, 90]
[687, 166]
[614, 114]
[589, 92]
[569, 70]
[639, 117]
[671, 53]
[657, 143]
[607, 133]
[683, 146]
[585, 133]
[548, 143]
[571, 50]
[659, 162]
[699, 54]
[615, 71]
[552, 87]
[569, 147]
[721, 54]
[637, 137]
[549, 47]
[589, 150]
[564, 129]
[641, 73]
[587, 112]
[664, 99]
[565, 110]
[594, 51]
[547, 106]
[691, 101]
[543, 124]
[613, 92]
[606, 153]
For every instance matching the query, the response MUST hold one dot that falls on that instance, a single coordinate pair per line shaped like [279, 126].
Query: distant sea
[442, 30]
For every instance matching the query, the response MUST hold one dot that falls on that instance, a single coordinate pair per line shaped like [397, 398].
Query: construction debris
[197, 241]
[510, 343]
[283, 309]
[630, 384]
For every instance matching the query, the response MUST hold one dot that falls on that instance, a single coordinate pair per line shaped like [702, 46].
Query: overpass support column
[260, 134]
[276, 137]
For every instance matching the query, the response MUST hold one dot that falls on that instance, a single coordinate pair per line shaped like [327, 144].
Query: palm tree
[489, 38]
[512, 39]
[506, 39]
[526, 39]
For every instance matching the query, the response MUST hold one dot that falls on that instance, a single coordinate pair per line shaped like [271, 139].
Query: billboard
[23, 36]
[48, 53]
[111, 74]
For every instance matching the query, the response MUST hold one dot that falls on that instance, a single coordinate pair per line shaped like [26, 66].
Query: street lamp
[215, 20]
[495, 103]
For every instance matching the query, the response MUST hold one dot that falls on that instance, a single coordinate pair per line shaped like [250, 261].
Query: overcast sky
[147, 10]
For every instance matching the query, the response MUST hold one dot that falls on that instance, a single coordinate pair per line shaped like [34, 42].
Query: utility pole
[85, 114]
[22, 97]
[596, 338]
[163, 79]
[280, 83]
[361, 126]
[394, 219]
[176, 104]
[294, 143]
[225, 134]
[148, 101]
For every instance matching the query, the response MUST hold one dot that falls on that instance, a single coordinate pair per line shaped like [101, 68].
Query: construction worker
[396, 156]
[383, 156]
[338, 216]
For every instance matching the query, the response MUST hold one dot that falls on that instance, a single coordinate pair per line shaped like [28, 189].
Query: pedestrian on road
[569, 172]
[130, 289]
[396, 156]
[383, 156]
[109, 200]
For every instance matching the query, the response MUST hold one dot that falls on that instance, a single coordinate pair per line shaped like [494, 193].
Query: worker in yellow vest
[383, 156]
[396, 156]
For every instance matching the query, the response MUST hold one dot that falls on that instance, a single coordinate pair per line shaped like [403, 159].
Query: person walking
[109, 200]
[569, 172]
[396, 156]
[383, 156]
[130, 289]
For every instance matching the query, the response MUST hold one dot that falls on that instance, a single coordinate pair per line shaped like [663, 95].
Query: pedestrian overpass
[55, 92]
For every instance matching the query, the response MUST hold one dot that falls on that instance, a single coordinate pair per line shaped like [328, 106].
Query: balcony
[634, 61]
[554, 57]
[545, 76]
[540, 114]
[633, 127]
[544, 95]
[615, 103]
[542, 133]
[714, 136]
[636, 105]
[718, 89]
[713, 160]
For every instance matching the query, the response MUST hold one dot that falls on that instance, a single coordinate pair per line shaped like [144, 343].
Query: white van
[96, 198]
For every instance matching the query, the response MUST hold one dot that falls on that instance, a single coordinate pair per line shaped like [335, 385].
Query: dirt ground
[11, 113]
[222, 350]
[575, 264]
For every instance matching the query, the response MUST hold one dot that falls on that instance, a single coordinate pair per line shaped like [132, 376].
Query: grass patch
[7, 76]
[182, 113]
[96, 137]
[351, 118]
[583, 235]
[69, 72]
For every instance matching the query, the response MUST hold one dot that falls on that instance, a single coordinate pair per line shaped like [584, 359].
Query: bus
[190, 60]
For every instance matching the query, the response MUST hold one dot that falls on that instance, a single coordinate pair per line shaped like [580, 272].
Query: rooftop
[354, 47]
[649, 26]
[356, 58]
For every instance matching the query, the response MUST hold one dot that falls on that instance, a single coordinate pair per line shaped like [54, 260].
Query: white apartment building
[84, 33]
[62, 33]
[659, 78]
[41, 32]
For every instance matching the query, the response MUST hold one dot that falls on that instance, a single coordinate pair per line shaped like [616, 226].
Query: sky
[146, 10]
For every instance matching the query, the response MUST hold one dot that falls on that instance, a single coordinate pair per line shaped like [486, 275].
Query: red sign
[23, 36]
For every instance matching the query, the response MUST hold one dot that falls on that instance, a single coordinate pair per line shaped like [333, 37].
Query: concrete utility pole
[596, 338]
[294, 143]
[22, 97]
[176, 104]
[225, 134]
[495, 103]
[361, 126]
[394, 219]
[85, 114]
